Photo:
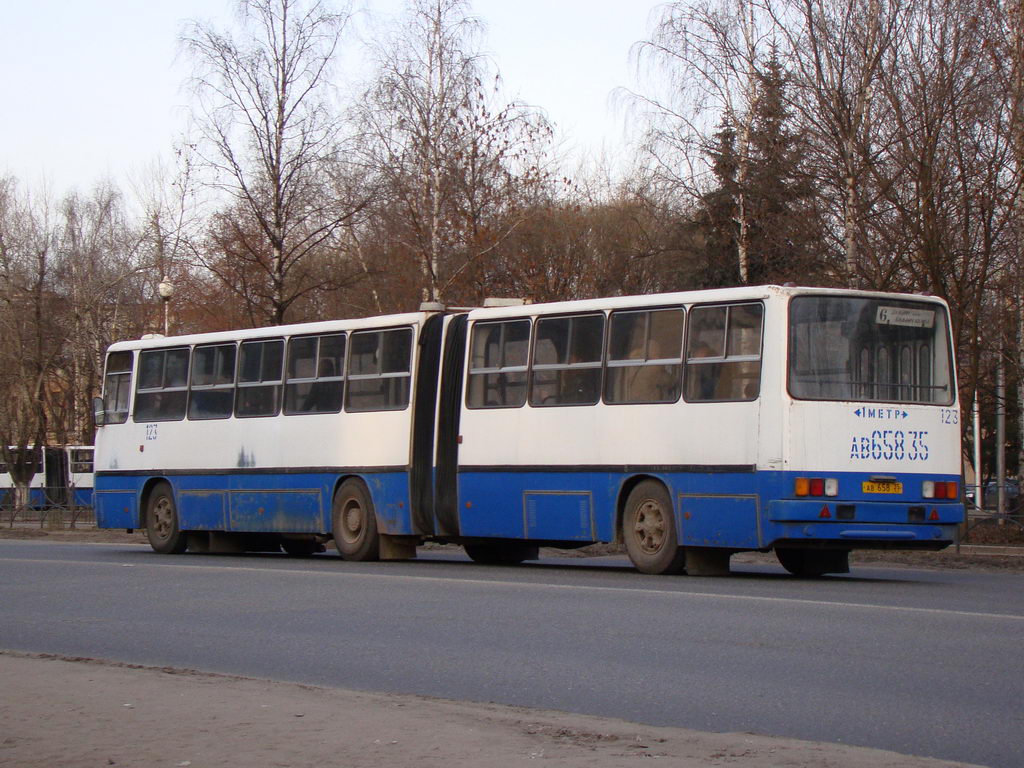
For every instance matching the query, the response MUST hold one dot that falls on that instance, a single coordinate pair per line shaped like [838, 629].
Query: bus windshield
[868, 349]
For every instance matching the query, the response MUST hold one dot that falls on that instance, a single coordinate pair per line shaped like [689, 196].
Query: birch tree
[844, 52]
[452, 159]
[266, 130]
[711, 53]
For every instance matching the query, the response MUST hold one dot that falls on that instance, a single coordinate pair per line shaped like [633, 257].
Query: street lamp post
[166, 291]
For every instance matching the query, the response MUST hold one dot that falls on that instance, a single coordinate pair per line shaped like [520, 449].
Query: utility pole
[1000, 438]
[979, 491]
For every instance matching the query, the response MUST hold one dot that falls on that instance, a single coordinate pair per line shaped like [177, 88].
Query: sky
[93, 89]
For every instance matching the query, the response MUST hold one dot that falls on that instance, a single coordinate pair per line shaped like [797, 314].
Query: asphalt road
[920, 662]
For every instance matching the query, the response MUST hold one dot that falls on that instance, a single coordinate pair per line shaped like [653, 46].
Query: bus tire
[811, 563]
[649, 530]
[500, 554]
[354, 523]
[162, 529]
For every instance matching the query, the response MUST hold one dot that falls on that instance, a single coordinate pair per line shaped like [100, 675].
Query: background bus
[63, 478]
[687, 426]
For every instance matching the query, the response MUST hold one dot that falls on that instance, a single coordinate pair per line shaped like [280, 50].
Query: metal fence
[53, 518]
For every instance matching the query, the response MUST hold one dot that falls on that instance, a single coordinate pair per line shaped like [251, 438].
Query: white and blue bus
[686, 426]
[63, 478]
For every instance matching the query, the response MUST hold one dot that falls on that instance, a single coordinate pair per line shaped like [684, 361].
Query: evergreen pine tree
[778, 192]
[777, 198]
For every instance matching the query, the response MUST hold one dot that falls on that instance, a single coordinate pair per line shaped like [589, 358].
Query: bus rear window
[876, 350]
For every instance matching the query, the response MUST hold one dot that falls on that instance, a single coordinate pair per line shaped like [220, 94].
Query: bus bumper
[862, 525]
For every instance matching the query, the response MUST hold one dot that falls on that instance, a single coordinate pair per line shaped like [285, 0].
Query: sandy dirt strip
[82, 712]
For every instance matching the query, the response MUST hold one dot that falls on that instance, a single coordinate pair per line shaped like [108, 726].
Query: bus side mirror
[99, 411]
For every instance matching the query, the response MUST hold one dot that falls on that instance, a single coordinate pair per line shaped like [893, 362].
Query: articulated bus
[63, 478]
[685, 426]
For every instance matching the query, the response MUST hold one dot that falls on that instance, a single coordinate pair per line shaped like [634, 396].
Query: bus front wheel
[649, 530]
[354, 523]
[162, 528]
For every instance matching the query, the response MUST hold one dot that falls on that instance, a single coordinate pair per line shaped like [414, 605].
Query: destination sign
[904, 316]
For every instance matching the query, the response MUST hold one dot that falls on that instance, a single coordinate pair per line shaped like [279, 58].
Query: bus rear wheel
[355, 523]
[162, 528]
[810, 563]
[649, 530]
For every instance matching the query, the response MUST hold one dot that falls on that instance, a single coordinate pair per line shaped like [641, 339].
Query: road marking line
[521, 585]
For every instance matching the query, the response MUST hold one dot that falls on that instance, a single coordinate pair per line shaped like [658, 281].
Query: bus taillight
[940, 489]
[816, 486]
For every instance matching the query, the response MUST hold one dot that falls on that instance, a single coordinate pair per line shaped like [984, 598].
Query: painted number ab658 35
[891, 444]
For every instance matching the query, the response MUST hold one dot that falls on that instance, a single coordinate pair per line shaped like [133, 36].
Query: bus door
[55, 479]
[446, 473]
[421, 476]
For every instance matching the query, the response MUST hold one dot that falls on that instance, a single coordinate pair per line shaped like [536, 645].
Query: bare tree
[711, 54]
[843, 52]
[1003, 47]
[29, 324]
[725, 139]
[451, 158]
[266, 130]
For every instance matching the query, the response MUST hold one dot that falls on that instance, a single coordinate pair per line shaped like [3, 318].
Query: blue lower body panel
[251, 502]
[725, 509]
[712, 509]
[732, 510]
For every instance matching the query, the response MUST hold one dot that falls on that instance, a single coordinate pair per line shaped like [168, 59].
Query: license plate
[870, 486]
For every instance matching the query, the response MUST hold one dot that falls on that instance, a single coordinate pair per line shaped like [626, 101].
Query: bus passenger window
[212, 394]
[723, 353]
[316, 374]
[379, 370]
[567, 361]
[259, 378]
[162, 393]
[117, 387]
[81, 461]
[645, 361]
[499, 354]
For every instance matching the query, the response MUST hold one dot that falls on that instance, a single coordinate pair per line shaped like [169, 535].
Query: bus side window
[117, 386]
[723, 353]
[162, 392]
[212, 393]
[567, 355]
[316, 374]
[81, 461]
[499, 354]
[379, 371]
[645, 351]
[260, 366]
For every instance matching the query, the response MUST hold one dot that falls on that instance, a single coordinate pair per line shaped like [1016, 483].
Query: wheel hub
[650, 527]
[163, 517]
[353, 521]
